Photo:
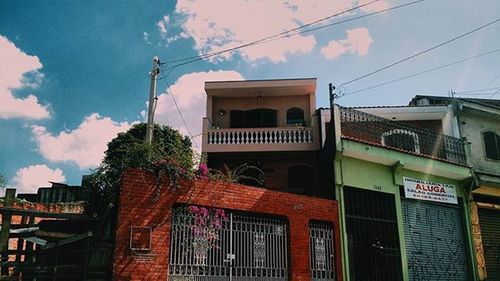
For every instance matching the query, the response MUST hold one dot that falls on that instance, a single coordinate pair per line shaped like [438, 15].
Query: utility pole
[152, 99]
[333, 145]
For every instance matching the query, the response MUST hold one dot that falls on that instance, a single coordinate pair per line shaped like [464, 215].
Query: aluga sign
[424, 190]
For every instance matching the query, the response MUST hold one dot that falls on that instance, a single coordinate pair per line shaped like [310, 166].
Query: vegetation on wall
[169, 155]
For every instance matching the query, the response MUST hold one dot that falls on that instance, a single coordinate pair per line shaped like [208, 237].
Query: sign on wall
[430, 191]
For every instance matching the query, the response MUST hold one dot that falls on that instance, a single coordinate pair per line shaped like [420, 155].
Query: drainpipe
[332, 96]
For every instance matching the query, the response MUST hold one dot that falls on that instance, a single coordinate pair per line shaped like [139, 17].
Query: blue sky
[74, 73]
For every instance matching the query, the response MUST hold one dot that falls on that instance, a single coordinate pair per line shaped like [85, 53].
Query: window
[402, 139]
[255, 118]
[300, 179]
[249, 175]
[491, 145]
[295, 116]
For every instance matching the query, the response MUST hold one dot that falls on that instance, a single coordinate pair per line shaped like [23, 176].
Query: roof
[440, 100]
[250, 88]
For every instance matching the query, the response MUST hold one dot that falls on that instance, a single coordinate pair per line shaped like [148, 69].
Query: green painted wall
[383, 178]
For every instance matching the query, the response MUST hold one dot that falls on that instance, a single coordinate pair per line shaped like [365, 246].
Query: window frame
[297, 110]
[496, 140]
[402, 131]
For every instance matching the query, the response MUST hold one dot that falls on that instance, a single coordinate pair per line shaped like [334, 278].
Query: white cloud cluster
[233, 22]
[84, 146]
[358, 42]
[29, 179]
[189, 92]
[19, 70]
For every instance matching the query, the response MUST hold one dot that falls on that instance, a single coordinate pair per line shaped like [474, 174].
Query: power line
[273, 36]
[287, 34]
[171, 94]
[421, 52]
[421, 73]
[496, 92]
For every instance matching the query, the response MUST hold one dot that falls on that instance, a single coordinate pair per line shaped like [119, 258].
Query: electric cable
[421, 52]
[285, 34]
[421, 73]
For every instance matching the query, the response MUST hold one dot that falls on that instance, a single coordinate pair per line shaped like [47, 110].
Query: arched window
[402, 139]
[249, 175]
[491, 145]
[295, 116]
[300, 179]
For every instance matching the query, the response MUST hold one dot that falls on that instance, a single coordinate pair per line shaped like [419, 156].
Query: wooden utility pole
[152, 99]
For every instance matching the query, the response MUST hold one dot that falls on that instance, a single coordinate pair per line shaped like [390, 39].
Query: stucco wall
[473, 124]
[279, 103]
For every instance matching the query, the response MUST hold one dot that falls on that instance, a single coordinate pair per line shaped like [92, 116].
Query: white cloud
[189, 92]
[19, 70]
[231, 23]
[214, 28]
[145, 37]
[29, 179]
[162, 25]
[358, 42]
[83, 146]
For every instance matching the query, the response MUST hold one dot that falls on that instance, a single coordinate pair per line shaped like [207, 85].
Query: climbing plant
[169, 156]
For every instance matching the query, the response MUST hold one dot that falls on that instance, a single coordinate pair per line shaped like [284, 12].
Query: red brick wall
[138, 207]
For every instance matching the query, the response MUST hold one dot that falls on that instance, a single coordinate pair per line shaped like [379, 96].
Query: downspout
[332, 97]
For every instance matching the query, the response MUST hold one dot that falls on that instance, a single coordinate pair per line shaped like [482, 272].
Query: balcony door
[255, 118]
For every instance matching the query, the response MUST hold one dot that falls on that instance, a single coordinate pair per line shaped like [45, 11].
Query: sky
[73, 74]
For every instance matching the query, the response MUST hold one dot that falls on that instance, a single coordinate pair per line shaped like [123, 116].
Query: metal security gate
[321, 245]
[244, 247]
[489, 220]
[372, 233]
[435, 245]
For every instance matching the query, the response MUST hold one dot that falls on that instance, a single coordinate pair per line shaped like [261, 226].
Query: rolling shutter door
[435, 245]
[489, 220]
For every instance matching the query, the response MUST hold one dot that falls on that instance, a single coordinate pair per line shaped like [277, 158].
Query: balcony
[367, 128]
[259, 139]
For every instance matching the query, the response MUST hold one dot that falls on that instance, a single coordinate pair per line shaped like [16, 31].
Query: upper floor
[427, 132]
[260, 115]
[478, 124]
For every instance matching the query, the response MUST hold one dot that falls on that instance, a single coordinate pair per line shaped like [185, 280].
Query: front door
[372, 233]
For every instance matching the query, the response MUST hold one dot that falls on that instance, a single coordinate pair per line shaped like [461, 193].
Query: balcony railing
[260, 136]
[260, 139]
[375, 130]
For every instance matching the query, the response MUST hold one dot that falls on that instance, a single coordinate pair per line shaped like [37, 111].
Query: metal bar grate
[246, 247]
[321, 245]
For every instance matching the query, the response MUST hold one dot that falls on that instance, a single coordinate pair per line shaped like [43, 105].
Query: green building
[403, 184]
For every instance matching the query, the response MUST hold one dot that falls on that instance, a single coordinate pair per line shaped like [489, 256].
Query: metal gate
[435, 245]
[489, 220]
[244, 247]
[372, 232]
[321, 245]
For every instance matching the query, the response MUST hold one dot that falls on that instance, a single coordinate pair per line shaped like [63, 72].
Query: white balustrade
[260, 136]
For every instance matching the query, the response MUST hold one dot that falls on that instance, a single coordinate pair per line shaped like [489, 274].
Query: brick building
[280, 222]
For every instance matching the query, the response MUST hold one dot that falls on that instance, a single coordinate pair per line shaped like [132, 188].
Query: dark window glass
[237, 119]
[492, 145]
[295, 116]
[255, 118]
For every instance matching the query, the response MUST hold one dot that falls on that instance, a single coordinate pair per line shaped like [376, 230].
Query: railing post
[4, 235]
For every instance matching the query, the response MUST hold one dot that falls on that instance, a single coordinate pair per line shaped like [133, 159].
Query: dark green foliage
[170, 154]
